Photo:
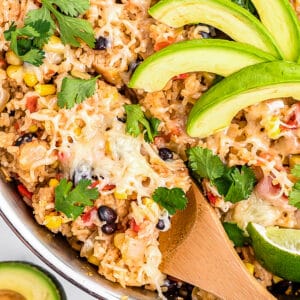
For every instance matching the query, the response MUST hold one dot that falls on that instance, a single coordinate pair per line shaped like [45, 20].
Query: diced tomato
[86, 217]
[133, 226]
[181, 76]
[31, 103]
[94, 184]
[23, 191]
[212, 198]
[16, 125]
[63, 156]
[160, 45]
[108, 187]
[294, 120]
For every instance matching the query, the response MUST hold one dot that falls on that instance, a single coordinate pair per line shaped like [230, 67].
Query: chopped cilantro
[73, 201]
[170, 199]
[235, 234]
[75, 90]
[234, 184]
[39, 26]
[137, 122]
[204, 163]
[294, 196]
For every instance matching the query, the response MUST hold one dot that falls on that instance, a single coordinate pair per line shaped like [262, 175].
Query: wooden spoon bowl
[197, 250]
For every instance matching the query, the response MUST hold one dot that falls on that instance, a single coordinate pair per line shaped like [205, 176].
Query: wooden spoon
[197, 250]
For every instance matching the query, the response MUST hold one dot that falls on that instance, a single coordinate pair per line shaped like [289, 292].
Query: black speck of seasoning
[109, 228]
[118, 1]
[25, 138]
[101, 43]
[12, 113]
[165, 153]
[107, 214]
[160, 224]
[122, 119]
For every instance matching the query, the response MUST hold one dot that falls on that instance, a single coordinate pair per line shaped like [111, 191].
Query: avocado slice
[18, 279]
[280, 19]
[217, 56]
[217, 107]
[235, 21]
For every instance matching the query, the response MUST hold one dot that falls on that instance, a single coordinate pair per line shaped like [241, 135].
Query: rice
[40, 145]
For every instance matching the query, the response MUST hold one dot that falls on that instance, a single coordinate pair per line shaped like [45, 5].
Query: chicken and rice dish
[91, 172]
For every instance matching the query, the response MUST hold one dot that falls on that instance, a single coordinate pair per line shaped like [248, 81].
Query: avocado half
[21, 280]
[225, 15]
[216, 56]
[280, 19]
[253, 84]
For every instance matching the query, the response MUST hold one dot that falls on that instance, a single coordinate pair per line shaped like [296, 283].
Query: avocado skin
[178, 57]
[175, 13]
[277, 74]
[36, 273]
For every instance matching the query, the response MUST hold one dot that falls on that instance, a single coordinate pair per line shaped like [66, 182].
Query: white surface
[11, 248]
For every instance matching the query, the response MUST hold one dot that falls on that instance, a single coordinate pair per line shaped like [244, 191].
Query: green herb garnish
[75, 90]
[235, 234]
[171, 199]
[234, 183]
[294, 196]
[73, 201]
[136, 123]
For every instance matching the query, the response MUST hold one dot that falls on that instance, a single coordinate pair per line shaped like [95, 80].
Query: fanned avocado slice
[20, 281]
[280, 19]
[217, 56]
[217, 107]
[225, 15]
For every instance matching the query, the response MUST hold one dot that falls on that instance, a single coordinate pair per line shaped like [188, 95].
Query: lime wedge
[277, 249]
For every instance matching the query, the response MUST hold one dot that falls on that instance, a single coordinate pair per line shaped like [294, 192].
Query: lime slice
[277, 249]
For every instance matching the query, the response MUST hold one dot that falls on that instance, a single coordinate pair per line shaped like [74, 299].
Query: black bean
[109, 228]
[101, 43]
[160, 224]
[12, 113]
[165, 153]
[82, 171]
[134, 64]
[107, 214]
[205, 34]
[25, 138]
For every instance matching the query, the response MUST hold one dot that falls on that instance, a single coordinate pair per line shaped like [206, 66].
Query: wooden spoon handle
[197, 250]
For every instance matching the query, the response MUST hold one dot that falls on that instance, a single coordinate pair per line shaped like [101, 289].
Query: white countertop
[11, 248]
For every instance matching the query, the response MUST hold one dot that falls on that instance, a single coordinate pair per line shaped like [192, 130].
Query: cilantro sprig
[136, 123]
[294, 196]
[75, 90]
[27, 42]
[234, 183]
[73, 201]
[235, 234]
[171, 199]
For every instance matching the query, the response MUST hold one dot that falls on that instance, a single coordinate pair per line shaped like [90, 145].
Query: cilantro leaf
[72, 7]
[204, 163]
[170, 199]
[72, 28]
[294, 196]
[8, 32]
[242, 184]
[34, 57]
[296, 171]
[235, 234]
[75, 90]
[28, 30]
[43, 28]
[73, 201]
[136, 122]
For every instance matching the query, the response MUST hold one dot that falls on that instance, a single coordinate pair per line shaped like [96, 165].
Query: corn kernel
[250, 267]
[272, 126]
[93, 260]
[107, 147]
[13, 59]
[55, 164]
[53, 222]
[294, 160]
[79, 74]
[54, 45]
[30, 79]
[119, 240]
[120, 195]
[53, 182]
[33, 128]
[77, 131]
[45, 89]
[15, 72]
[147, 201]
